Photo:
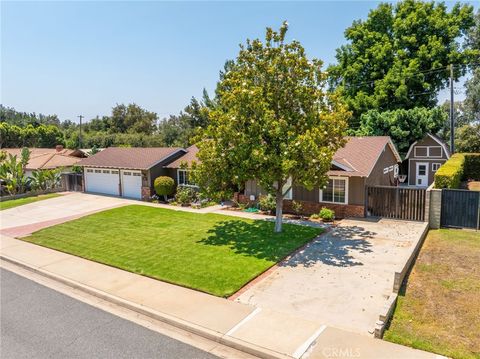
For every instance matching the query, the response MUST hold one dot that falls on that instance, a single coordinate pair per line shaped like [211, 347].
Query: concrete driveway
[343, 278]
[25, 219]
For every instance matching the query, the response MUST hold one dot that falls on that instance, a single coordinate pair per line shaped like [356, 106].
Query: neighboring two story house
[424, 158]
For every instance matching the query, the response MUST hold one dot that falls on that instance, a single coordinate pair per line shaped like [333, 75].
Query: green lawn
[213, 253]
[21, 201]
[439, 309]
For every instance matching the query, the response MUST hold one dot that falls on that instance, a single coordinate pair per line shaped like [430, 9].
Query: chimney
[59, 148]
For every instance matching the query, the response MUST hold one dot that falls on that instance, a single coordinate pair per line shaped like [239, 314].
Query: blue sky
[73, 58]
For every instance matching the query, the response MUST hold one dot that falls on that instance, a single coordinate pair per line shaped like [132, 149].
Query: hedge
[450, 173]
[472, 166]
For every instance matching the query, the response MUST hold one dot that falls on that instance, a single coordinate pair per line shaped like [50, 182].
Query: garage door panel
[132, 184]
[102, 181]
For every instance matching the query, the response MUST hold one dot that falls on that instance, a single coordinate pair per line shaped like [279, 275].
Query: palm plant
[12, 172]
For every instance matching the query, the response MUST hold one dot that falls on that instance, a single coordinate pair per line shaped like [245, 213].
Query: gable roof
[187, 158]
[436, 139]
[360, 154]
[140, 158]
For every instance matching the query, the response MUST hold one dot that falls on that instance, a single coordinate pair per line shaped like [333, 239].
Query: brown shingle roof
[187, 158]
[360, 154]
[51, 161]
[47, 158]
[129, 157]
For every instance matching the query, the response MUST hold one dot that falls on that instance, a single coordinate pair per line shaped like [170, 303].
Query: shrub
[450, 173]
[326, 214]
[472, 166]
[267, 203]
[185, 195]
[314, 216]
[164, 186]
[297, 207]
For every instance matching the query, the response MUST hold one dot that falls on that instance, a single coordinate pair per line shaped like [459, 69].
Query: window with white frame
[336, 191]
[435, 166]
[183, 178]
[395, 171]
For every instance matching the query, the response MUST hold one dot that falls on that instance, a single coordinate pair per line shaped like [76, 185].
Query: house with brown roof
[48, 158]
[424, 158]
[363, 161]
[179, 169]
[127, 172]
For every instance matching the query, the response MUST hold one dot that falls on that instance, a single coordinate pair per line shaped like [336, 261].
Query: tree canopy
[403, 126]
[397, 58]
[274, 121]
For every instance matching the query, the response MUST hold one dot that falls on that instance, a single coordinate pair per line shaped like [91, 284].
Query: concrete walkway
[261, 331]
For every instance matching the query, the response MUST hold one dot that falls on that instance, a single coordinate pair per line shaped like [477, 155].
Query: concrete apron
[257, 331]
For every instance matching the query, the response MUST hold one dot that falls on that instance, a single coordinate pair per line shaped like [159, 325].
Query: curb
[389, 307]
[209, 334]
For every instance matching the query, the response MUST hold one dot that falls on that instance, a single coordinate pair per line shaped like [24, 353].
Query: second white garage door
[102, 181]
[132, 184]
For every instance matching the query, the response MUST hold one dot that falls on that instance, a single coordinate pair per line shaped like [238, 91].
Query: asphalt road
[38, 322]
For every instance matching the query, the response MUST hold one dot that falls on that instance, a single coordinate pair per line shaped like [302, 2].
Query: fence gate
[460, 208]
[74, 182]
[395, 202]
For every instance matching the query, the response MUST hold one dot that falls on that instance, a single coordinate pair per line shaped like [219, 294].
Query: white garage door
[102, 181]
[132, 184]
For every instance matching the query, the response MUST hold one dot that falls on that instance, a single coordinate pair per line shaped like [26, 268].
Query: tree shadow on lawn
[334, 248]
[257, 239]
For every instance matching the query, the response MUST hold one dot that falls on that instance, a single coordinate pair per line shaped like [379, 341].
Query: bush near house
[327, 214]
[450, 173]
[267, 203]
[164, 186]
[185, 195]
[461, 166]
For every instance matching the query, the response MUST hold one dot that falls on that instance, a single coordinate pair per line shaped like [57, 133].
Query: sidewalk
[257, 331]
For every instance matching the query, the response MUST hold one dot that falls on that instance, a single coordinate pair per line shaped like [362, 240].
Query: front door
[422, 174]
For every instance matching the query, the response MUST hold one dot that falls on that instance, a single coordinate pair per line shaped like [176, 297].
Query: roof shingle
[129, 157]
[360, 154]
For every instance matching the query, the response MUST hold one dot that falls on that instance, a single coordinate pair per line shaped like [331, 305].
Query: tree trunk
[278, 210]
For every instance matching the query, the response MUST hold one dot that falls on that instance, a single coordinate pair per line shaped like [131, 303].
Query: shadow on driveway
[335, 248]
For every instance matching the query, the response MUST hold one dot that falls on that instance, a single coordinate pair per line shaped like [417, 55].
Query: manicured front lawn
[439, 310]
[214, 253]
[21, 201]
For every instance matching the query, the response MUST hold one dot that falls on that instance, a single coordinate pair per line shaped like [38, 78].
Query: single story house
[424, 158]
[48, 158]
[363, 161]
[127, 172]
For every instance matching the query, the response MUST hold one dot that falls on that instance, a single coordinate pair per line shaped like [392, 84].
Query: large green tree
[397, 58]
[273, 121]
[403, 126]
[132, 118]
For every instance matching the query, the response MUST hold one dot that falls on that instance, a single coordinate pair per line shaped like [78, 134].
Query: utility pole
[80, 132]
[452, 119]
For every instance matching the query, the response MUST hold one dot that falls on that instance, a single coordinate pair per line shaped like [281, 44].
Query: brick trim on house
[341, 210]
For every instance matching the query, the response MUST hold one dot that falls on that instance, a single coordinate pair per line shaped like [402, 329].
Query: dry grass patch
[439, 310]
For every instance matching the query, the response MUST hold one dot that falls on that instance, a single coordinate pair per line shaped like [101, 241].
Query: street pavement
[38, 322]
